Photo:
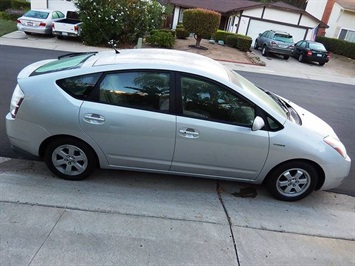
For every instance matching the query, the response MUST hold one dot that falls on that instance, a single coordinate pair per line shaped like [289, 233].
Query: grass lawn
[7, 26]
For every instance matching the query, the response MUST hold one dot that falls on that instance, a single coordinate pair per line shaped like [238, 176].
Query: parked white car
[174, 112]
[38, 21]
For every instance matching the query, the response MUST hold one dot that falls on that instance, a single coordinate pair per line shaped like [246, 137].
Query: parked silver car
[174, 112]
[38, 21]
[276, 42]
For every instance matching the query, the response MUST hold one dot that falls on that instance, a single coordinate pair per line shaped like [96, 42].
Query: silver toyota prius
[166, 111]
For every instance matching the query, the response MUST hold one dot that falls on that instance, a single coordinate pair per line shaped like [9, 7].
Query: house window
[181, 14]
[347, 35]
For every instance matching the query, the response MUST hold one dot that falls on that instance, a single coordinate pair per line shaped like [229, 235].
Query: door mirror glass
[258, 124]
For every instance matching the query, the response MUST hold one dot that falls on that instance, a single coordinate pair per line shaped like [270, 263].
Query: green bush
[5, 4]
[337, 46]
[179, 26]
[244, 42]
[121, 20]
[161, 39]
[221, 35]
[202, 22]
[21, 5]
[181, 33]
[232, 40]
[11, 14]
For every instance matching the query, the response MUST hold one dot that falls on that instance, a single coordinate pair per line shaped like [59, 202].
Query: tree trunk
[198, 39]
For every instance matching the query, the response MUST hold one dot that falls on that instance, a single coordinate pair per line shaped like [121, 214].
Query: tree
[201, 22]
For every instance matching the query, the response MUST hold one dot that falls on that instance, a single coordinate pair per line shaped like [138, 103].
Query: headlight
[336, 145]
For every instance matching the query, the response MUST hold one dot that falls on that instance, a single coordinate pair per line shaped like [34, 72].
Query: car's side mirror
[258, 124]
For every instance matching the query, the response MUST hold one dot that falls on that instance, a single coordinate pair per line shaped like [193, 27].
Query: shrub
[5, 4]
[202, 22]
[161, 39]
[337, 46]
[244, 42]
[11, 14]
[232, 40]
[221, 35]
[21, 5]
[122, 20]
[181, 33]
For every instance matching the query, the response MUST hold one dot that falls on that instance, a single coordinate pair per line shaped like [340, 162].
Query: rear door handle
[94, 119]
[189, 133]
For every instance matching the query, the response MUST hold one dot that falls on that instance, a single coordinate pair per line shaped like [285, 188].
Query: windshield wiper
[279, 101]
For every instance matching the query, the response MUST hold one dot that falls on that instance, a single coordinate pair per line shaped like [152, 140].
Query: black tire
[292, 181]
[286, 57]
[264, 51]
[256, 47]
[27, 33]
[321, 63]
[60, 37]
[70, 159]
[300, 58]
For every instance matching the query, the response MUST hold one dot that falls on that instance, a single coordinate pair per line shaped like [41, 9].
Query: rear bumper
[65, 34]
[39, 30]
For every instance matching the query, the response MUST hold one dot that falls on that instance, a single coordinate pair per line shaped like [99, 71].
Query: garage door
[258, 26]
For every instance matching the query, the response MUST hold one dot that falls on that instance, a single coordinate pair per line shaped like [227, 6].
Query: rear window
[317, 46]
[65, 62]
[36, 14]
[283, 38]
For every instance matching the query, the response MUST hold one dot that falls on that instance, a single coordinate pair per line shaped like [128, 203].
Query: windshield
[64, 62]
[266, 98]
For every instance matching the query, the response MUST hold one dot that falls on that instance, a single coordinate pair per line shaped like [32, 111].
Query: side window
[303, 45]
[143, 90]
[206, 100]
[79, 87]
[55, 15]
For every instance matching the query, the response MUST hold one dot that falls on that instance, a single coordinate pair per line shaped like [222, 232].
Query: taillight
[18, 21]
[328, 56]
[309, 53]
[76, 28]
[42, 24]
[52, 25]
[273, 43]
[16, 100]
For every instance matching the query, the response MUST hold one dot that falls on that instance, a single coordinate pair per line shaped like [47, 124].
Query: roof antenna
[113, 44]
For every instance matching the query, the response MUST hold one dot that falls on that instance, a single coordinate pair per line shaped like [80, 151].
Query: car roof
[159, 58]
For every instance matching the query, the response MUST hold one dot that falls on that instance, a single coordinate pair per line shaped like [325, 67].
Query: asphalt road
[333, 102]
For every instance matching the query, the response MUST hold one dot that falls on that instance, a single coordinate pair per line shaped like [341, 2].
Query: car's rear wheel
[300, 58]
[286, 57]
[70, 158]
[264, 51]
[292, 181]
[321, 63]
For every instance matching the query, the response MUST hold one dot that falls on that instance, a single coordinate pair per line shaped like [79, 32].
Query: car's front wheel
[256, 47]
[292, 181]
[70, 158]
[321, 63]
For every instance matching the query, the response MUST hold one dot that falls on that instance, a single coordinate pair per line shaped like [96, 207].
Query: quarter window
[79, 87]
[206, 100]
[143, 90]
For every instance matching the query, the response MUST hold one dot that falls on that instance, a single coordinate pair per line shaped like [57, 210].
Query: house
[61, 5]
[251, 18]
[338, 14]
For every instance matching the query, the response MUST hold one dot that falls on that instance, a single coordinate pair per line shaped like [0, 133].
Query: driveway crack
[219, 190]
[45, 240]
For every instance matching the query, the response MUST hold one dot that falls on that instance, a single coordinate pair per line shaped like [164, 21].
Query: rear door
[131, 121]
[214, 135]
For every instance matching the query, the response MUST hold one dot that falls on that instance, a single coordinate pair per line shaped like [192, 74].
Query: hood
[313, 122]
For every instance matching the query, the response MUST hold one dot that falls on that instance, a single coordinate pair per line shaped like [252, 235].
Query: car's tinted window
[36, 14]
[303, 44]
[79, 87]
[317, 46]
[283, 38]
[207, 100]
[143, 90]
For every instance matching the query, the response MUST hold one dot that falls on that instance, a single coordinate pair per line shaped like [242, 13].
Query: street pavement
[127, 218]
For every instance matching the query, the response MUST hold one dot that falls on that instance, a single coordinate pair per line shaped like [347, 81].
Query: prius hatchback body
[170, 112]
